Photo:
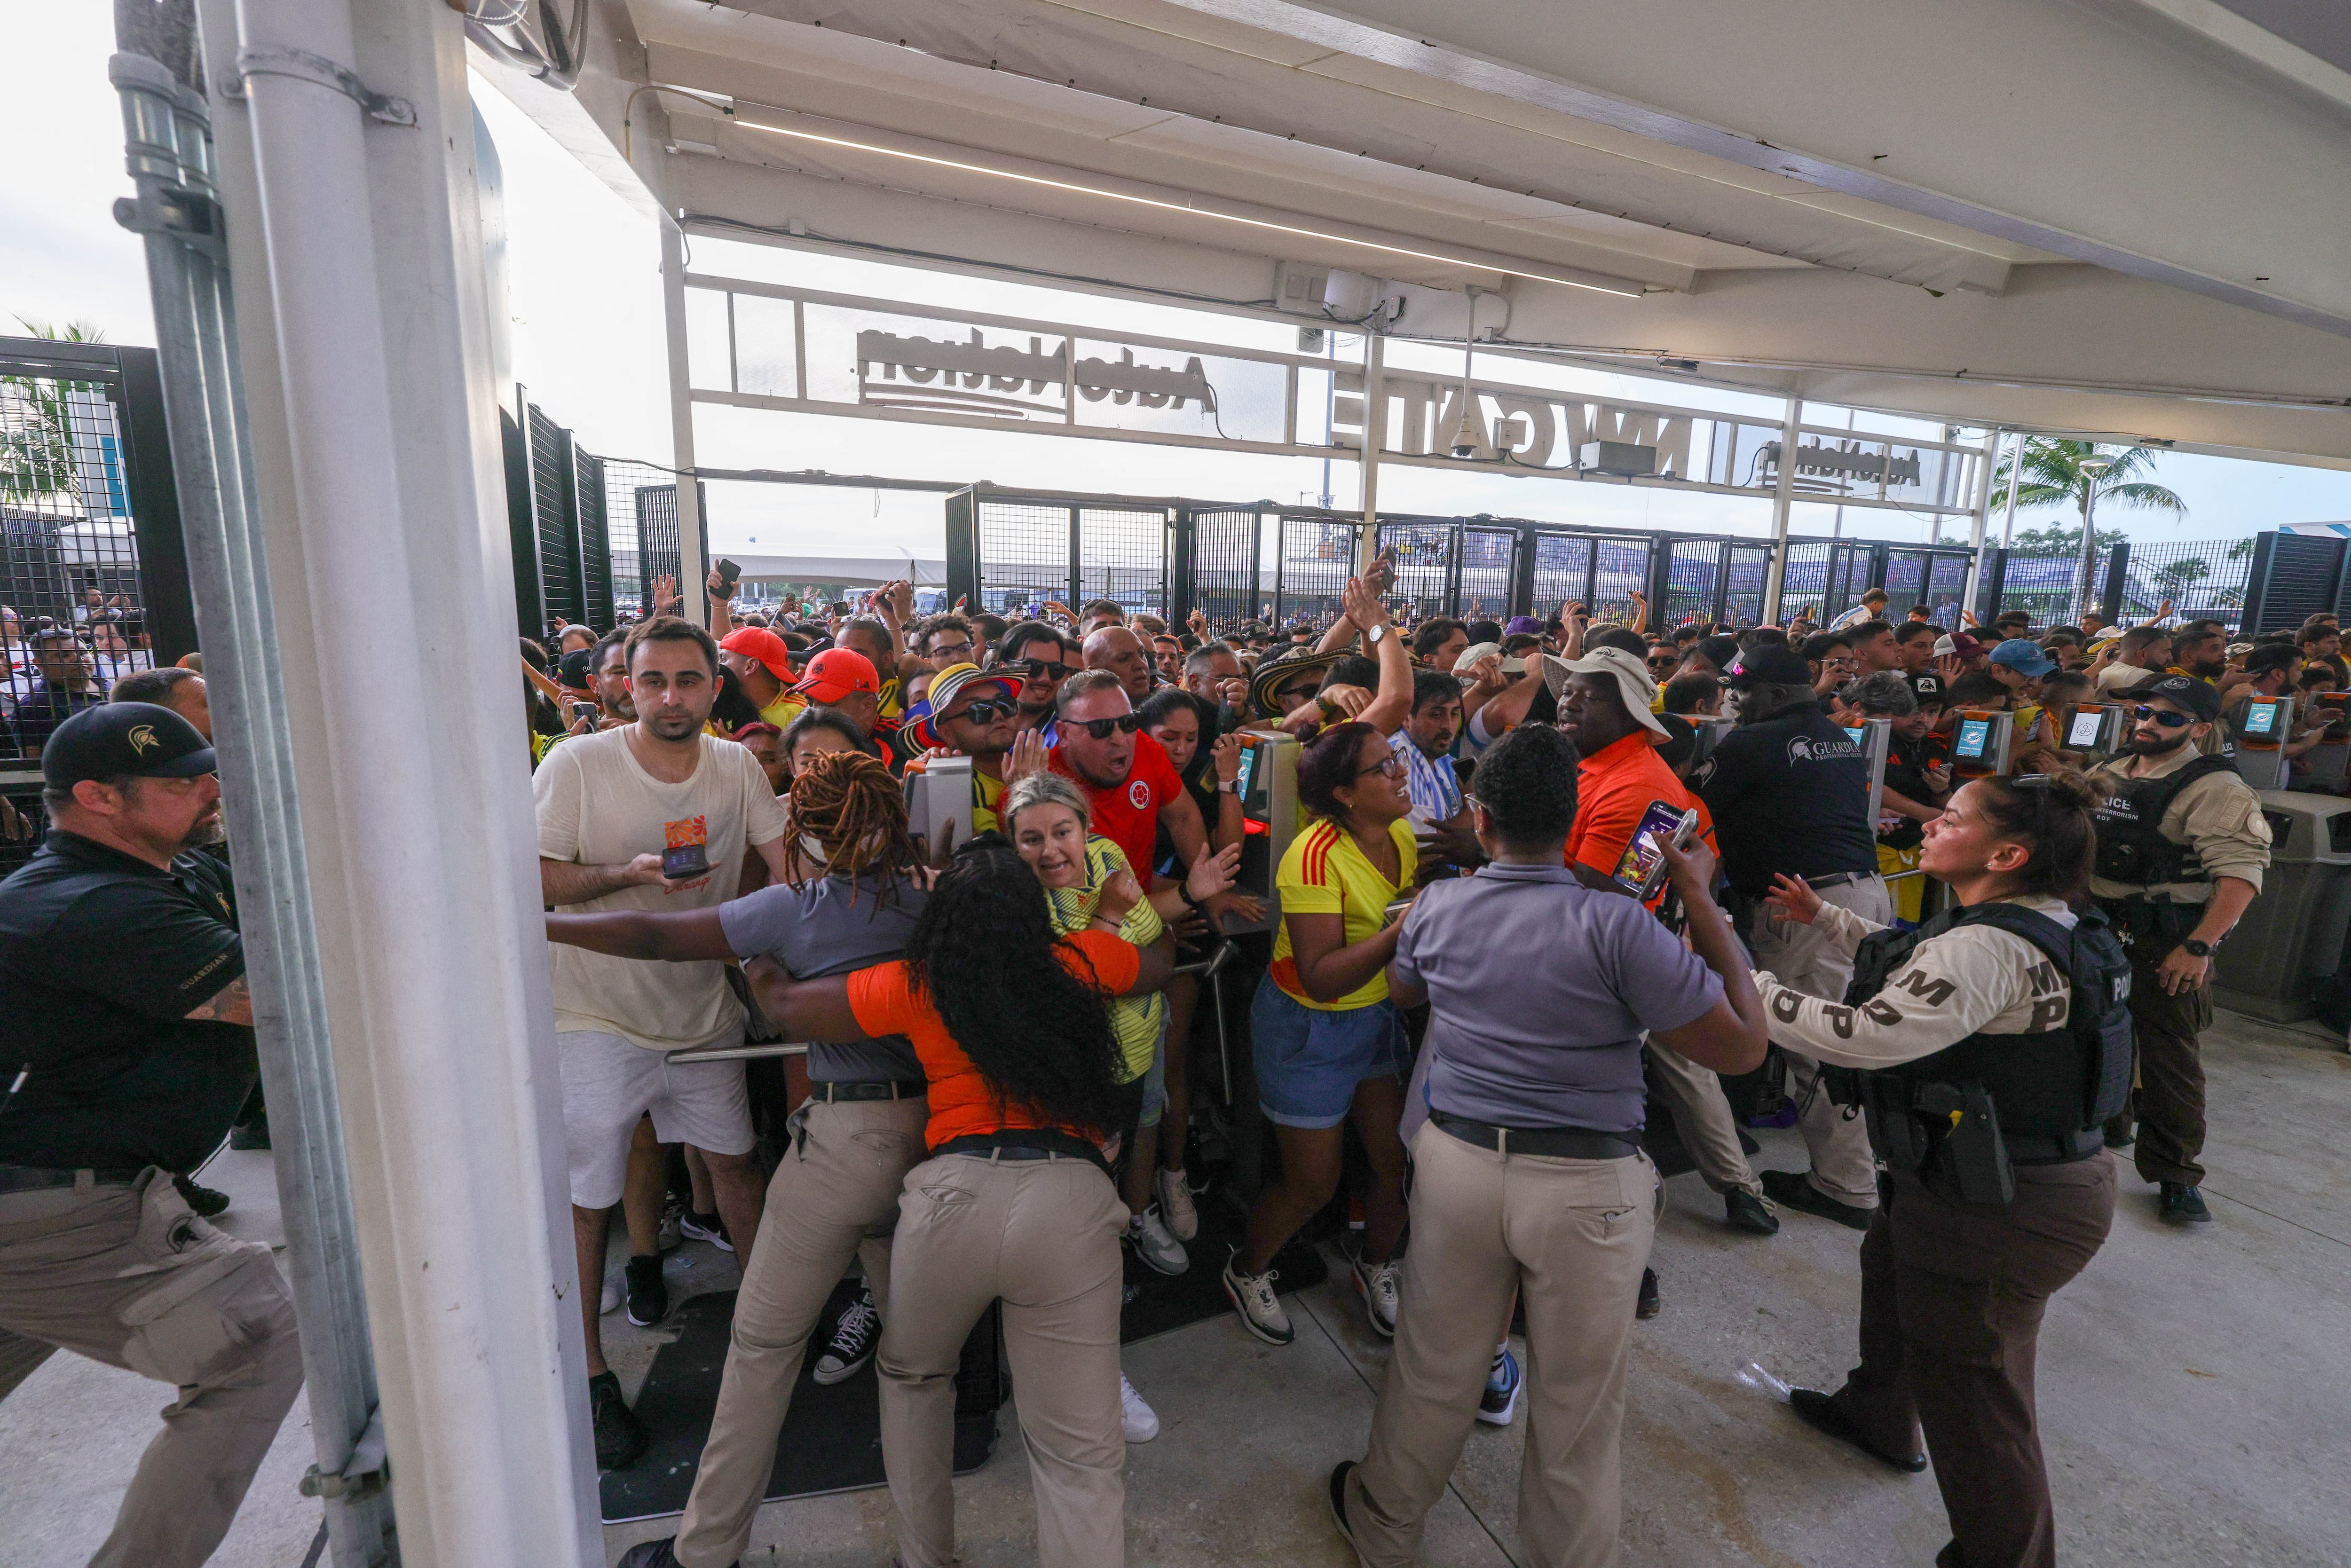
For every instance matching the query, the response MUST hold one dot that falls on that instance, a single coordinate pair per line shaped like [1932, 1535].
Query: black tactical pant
[2169, 1099]
[1951, 1298]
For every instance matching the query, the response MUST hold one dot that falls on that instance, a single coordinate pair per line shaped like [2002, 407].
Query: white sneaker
[1377, 1284]
[612, 1302]
[1142, 1422]
[1253, 1298]
[1176, 1203]
[1153, 1245]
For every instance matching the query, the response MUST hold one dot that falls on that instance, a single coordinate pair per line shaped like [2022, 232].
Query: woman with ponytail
[1016, 1201]
[855, 903]
[1987, 1048]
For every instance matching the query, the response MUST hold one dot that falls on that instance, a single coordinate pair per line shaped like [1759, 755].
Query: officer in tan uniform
[2181, 848]
[126, 1049]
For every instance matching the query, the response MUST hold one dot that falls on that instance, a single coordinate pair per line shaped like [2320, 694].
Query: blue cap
[2024, 657]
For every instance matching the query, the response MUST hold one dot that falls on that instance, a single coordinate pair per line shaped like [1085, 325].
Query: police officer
[126, 1049]
[1789, 791]
[2181, 848]
[1991, 1044]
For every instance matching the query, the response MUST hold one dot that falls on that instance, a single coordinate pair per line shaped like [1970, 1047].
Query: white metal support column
[693, 557]
[1782, 497]
[1376, 433]
[1980, 514]
[347, 174]
[2015, 473]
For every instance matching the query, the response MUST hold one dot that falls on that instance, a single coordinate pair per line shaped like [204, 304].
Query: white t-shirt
[598, 806]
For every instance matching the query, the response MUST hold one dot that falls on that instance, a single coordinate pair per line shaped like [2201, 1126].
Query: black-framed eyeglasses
[1100, 728]
[987, 710]
[2164, 717]
[940, 650]
[1391, 765]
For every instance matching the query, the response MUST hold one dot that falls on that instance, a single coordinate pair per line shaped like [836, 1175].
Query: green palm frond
[2051, 475]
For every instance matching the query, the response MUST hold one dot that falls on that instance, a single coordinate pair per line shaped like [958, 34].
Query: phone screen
[1643, 860]
[1974, 735]
[2084, 731]
[685, 860]
[2261, 718]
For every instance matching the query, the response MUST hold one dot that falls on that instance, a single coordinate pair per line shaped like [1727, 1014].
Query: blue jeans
[1309, 1059]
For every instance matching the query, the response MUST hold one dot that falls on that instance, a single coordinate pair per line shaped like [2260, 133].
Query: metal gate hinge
[273, 59]
[365, 1474]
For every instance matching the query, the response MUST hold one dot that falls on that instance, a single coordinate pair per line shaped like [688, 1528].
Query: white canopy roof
[848, 570]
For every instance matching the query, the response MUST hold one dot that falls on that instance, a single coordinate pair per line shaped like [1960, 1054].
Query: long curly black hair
[983, 951]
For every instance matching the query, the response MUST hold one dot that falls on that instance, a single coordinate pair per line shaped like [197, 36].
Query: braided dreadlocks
[850, 805]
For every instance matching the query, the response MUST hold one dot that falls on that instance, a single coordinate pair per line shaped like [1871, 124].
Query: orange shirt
[962, 1102]
[1613, 787]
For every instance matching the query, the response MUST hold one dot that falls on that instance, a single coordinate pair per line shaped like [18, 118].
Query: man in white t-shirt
[650, 815]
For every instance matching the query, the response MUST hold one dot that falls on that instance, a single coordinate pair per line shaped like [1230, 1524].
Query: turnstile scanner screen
[1975, 734]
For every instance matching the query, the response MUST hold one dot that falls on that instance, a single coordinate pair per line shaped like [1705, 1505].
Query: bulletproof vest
[1950, 1114]
[2131, 846]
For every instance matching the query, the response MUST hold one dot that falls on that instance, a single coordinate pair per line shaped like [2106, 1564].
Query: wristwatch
[2196, 949]
[1229, 787]
[1372, 638]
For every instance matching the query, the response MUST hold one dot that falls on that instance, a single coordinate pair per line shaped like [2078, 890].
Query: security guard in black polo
[2182, 845]
[126, 1049]
[1986, 1049]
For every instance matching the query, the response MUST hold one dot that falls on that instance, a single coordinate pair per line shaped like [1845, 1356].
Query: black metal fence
[590, 534]
[93, 574]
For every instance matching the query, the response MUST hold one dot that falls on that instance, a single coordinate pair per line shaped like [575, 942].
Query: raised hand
[1792, 898]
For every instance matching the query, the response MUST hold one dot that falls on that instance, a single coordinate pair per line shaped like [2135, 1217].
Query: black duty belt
[1027, 1143]
[35, 1179]
[2052, 1148]
[1559, 1143]
[1837, 879]
[834, 1091]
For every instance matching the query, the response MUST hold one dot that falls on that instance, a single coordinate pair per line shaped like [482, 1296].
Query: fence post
[963, 549]
[1183, 540]
[2117, 579]
[1523, 574]
[1661, 579]
[1991, 581]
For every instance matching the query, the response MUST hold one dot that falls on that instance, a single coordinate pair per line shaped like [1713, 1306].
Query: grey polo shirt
[1538, 990]
[831, 925]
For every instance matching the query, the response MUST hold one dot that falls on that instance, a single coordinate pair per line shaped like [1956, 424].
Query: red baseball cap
[835, 672]
[763, 646]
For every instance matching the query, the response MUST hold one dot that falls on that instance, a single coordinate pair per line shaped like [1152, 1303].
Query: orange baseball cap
[835, 672]
[763, 646]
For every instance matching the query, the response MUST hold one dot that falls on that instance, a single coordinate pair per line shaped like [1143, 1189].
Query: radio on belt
[2262, 725]
[1268, 785]
[1981, 741]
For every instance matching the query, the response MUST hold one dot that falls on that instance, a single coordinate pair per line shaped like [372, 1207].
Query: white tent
[848, 570]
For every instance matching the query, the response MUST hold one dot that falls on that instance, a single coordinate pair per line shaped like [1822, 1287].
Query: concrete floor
[2193, 1395]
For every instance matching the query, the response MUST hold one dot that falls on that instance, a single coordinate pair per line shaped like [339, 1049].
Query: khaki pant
[1703, 1121]
[1951, 1299]
[2169, 1099]
[129, 1275]
[1042, 1235]
[1802, 956]
[1571, 1237]
[836, 1189]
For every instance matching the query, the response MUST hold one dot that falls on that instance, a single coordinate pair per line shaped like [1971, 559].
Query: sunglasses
[1039, 670]
[1100, 728]
[987, 710]
[2163, 717]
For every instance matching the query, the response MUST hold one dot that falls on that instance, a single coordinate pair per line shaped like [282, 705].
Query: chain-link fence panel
[1693, 582]
[1121, 556]
[1024, 557]
[1563, 564]
[1620, 569]
[640, 525]
[1947, 585]
[2201, 579]
[1488, 557]
[1224, 567]
[1742, 598]
[1423, 569]
[1315, 558]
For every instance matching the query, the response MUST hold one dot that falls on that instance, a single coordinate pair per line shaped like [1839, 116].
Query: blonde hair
[1044, 789]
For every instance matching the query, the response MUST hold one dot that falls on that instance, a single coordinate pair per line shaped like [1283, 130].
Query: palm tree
[2053, 474]
[36, 454]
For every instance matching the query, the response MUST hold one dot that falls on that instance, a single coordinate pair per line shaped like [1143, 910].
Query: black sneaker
[854, 1338]
[1792, 1189]
[2182, 1204]
[1742, 1210]
[1339, 1473]
[648, 1296]
[619, 1435]
[1648, 1304]
[661, 1554]
[204, 1201]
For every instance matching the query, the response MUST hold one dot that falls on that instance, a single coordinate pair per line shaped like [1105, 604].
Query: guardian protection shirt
[1790, 795]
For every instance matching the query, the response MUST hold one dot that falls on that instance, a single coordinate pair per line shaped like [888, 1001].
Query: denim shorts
[1308, 1060]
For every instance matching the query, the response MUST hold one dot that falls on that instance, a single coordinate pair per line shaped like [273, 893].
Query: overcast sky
[586, 305]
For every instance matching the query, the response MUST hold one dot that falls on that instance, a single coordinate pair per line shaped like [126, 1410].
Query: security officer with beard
[2181, 848]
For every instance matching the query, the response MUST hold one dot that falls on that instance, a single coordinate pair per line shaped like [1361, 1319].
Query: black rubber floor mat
[1157, 1303]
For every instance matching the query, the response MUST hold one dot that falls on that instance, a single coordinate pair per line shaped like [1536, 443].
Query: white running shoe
[1175, 1204]
[1252, 1296]
[1142, 1422]
[1377, 1283]
[1153, 1245]
[612, 1302]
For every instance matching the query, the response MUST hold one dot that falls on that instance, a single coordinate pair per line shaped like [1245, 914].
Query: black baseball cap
[2186, 692]
[115, 738]
[1775, 663]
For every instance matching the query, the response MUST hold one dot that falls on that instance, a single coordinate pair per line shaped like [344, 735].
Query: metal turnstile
[1983, 741]
[1268, 785]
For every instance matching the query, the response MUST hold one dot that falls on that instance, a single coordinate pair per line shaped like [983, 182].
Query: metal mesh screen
[595, 541]
[1906, 580]
[1563, 570]
[1947, 580]
[641, 507]
[1487, 556]
[1122, 555]
[1743, 596]
[1805, 582]
[1620, 570]
[2043, 583]
[1693, 582]
[1423, 567]
[1316, 559]
[1224, 568]
[2302, 576]
[1024, 557]
[2201, 578]
[559, 536]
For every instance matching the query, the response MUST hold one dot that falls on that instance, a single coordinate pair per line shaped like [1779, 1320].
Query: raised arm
[1731, 1036]
[568, 881]
[1392, 703]
[803, 1009]
[676, 936]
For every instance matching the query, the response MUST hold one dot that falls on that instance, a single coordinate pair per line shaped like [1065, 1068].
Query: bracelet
[1184, 892]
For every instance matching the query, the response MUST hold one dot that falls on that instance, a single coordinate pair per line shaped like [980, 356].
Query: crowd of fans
[1489, 959]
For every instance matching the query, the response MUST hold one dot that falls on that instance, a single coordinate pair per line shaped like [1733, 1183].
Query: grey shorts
[608, 1083]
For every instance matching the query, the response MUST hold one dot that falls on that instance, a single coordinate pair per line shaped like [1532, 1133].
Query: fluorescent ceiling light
[1599, 283]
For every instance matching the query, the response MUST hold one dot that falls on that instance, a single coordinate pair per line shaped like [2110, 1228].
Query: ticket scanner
[2097, 731]
[937, 796]
[1709, 729]
[1268, 787]
[1876, 738]
[2262, 726]
[1984, 743]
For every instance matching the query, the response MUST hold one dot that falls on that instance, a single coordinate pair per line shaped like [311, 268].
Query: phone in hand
[728, 572]
[585, 711]
[839, 607]
[1641, 870]
[683, 861]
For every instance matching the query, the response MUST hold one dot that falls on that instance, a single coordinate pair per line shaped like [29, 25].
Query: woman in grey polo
[1528, 1175]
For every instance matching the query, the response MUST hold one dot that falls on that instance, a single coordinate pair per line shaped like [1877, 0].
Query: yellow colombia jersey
[1133, 1019]
[1323, 873]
